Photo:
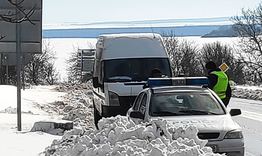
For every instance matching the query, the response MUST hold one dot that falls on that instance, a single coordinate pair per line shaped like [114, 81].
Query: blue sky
[88, 11]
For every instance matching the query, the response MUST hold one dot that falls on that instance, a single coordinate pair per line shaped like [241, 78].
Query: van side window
[137, 101]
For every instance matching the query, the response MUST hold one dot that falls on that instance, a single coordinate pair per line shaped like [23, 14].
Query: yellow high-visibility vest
[221, 85]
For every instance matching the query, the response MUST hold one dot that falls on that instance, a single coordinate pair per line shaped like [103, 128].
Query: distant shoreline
[179, 31]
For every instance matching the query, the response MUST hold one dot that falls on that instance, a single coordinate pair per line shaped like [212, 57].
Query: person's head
[156, 73]
[211, 65]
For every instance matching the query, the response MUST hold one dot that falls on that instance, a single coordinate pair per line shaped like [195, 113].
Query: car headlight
[236, 134]
[113, 99]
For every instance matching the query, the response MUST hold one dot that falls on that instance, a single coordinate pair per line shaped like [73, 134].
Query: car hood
[206, 123]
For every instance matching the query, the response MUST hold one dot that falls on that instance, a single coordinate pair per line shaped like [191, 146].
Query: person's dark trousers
[225, 101]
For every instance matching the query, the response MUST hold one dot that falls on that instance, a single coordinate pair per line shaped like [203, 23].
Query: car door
[142, 105]
[136, 104]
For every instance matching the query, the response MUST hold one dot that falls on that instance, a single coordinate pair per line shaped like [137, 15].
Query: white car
[195, 105]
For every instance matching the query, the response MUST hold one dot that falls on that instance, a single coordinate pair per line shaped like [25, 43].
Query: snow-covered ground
[25, 143]
[251, 123]
[248, 92]
[69, 102]
[41, 105]
[117, 136]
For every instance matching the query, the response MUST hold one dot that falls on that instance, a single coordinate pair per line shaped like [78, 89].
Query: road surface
[251, 122]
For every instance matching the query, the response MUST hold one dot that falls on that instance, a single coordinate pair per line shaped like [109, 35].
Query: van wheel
[97, 117]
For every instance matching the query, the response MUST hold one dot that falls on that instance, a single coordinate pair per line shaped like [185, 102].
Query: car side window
[142, 107]
[137, 101]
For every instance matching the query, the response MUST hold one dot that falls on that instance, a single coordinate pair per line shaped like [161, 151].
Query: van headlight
[235, 134]
[113, 99]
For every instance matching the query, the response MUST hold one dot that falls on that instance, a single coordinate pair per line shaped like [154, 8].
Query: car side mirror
[95, 82]
[234, 112]
[137, 114]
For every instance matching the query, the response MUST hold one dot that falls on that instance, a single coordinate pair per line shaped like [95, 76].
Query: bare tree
[171, 45]
[249, 27]
[74, 72]
[40, 70]
[51, 75]
[220, 53]
[189, 64]
[75, 67]
[183, 56]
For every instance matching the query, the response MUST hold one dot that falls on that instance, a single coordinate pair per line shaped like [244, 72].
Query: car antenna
[152, 30]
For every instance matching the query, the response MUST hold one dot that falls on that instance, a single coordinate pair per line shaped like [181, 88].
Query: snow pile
[11, 110]
[247, 92]
[120, 136]
[76, 105]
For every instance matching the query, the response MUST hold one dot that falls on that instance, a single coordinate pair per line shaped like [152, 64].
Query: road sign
[31, 31]
[20, 32]
[86, 59]
[224, 67]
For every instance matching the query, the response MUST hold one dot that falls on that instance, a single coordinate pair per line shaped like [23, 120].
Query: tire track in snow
[252, 115]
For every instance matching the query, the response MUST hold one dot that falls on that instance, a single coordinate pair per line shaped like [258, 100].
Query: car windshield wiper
[198, 112]
[167, 113]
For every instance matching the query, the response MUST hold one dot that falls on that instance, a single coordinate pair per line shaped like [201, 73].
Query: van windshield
[135, 69]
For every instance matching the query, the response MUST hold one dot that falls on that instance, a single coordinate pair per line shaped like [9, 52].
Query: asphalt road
[251, 122]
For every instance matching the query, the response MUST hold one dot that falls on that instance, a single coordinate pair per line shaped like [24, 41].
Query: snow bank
[76, 105]
[31, 99]
[120, 136]
[247, 92]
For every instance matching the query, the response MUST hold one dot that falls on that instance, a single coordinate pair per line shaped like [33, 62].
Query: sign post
[18, 69]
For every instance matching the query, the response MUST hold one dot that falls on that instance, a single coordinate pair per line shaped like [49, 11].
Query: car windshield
[186, 103]
[135, 69]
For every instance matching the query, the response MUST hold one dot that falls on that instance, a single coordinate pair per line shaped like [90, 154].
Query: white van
[123, 63]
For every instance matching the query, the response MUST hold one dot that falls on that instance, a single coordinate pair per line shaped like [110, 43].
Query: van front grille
[208, 135]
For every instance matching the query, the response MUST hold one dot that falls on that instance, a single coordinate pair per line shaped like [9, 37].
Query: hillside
[222, 31]
[181, 27]
[95, 32]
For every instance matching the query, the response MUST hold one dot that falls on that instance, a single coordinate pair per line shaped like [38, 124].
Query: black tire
[97, 116]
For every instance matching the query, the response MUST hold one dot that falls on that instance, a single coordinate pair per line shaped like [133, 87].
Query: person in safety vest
[218, 82]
